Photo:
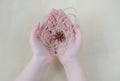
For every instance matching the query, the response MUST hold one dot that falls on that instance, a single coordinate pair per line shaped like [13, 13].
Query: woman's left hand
[38, 48]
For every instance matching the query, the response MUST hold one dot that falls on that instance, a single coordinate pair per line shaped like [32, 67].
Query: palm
[73, 48]
[37, 47]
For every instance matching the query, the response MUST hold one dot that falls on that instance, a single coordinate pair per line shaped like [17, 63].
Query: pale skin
[41, 59]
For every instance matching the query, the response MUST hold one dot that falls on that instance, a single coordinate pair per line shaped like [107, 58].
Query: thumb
[78, 35]
[34, 33]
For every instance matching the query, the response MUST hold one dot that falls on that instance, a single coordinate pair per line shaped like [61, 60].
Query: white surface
[100, 24]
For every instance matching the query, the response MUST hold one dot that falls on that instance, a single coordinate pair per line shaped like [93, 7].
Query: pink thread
[57, 31]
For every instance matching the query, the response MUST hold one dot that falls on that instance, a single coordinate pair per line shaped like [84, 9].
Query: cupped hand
[73, 48]
[38, 48]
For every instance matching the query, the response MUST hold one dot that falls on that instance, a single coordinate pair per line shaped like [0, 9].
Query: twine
[57, 31]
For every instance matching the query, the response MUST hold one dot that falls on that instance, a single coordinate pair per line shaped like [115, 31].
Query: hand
[72, 49]
[38, 48]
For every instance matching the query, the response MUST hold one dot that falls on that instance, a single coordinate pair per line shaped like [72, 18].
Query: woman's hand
[72, 49]
[38, 48]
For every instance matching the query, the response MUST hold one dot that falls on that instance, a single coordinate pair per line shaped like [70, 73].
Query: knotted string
[57, 31]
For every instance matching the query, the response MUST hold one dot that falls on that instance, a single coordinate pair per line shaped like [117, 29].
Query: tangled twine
[57, 31]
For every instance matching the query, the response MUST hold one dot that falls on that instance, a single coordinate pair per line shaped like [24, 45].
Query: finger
[77, 29]
[53, 10]
[34, 32]
[61, 12]
[78, 34]
[54, 15]
[38, 28]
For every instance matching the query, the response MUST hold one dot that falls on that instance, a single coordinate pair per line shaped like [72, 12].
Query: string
[58, 26]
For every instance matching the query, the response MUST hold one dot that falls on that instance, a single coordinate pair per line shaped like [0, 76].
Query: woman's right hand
[72, 50]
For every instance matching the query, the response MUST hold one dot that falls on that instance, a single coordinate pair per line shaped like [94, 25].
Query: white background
[100, 24]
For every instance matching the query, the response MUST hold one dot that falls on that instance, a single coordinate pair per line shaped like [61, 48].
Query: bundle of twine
[57, 31]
